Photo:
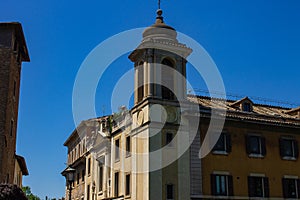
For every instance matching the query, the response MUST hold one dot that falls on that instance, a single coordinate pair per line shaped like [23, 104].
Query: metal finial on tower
[159, 4]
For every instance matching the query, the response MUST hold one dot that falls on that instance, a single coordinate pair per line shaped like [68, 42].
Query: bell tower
[160, 64]
[160, 132]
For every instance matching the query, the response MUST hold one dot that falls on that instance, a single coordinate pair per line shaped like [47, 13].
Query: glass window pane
[255, 144]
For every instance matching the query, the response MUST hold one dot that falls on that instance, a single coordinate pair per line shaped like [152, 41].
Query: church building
[153, 150]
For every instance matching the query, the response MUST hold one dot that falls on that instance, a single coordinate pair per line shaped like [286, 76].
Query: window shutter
[248, 147]
[251, 186]
[266, 187]
[296, 148]
[263, 146]
[230, 186]
[213, 184]
[228, 143]
[281, 147]
[285, 187]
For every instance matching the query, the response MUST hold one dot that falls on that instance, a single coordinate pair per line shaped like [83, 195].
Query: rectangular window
[15, 88]
[221, 185]
[88, 192]
[100, 177]
[127, 191]
[128, 146]
[258, 186]
[140, 86]
[83, 175]
[256, 145]
[170, 192]
[117, 150]
[290, 188]
[89, 166]
[223, 144]
[169, 138]
[289, 148]
[79, 150]
[78, 178]
[247, 107]
[11, 127]
[116, 184]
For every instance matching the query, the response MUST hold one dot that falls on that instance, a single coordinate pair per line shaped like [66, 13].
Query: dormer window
[244, 104]
[247, 107]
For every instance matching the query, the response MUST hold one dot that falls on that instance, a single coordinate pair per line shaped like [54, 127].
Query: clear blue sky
[255, 44]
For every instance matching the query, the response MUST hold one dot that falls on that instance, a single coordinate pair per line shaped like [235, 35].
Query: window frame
[227, 146]
[167, 192]
[261, 146]
[116, 184]
[168, 142]
[247, 107]
[83, 175]
[252, 187]
[117, 149]
[89, 166]
[294, 147]
[128, 146]
[215, 184]
[127, 185]
[101, 177]
[285, 185]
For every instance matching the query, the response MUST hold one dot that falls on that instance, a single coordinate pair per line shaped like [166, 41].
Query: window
[15, 87]
[247, 107]
[170, 192]
[256, 146]
[83, 175]
[140, 86]
[11, 127]
[223, 144]
[79, 151]
[221, 185]
[128, 146]
[116, 184]
[100, 177]
[291, 187]
[88, 192]
[167, 79]
[127, 189]
[7, 178]
[89, 166]
[258, 186]
[117, 150]
[78, 178]
[288, 148]
[169, 138]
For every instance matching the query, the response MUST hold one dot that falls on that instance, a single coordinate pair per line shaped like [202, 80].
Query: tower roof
[160, 36]
[160, 28]
[159, 22]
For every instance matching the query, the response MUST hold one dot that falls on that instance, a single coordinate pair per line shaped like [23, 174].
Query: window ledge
[222, 197]
[289, 158]
[256, 156]
[127, 196]
[220, 153]
[128, 155]
[100, 193]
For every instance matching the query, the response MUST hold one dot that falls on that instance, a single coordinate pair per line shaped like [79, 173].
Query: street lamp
[69, 174]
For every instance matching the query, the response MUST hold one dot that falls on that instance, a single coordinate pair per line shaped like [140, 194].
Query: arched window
[140, 81]
[167, 79]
